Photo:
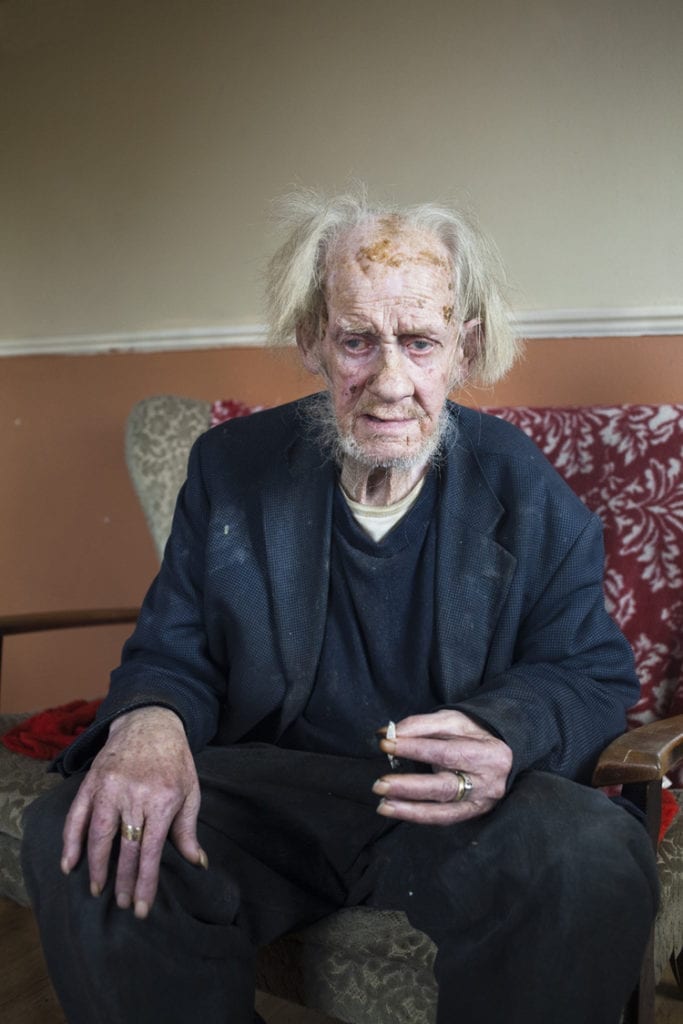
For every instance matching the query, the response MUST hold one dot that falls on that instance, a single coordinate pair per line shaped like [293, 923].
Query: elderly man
[372, 554]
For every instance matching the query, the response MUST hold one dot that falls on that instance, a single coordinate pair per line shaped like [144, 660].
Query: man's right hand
[143, 776]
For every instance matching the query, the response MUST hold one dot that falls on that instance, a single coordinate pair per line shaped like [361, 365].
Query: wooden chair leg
[677, 968]
[640, 1008]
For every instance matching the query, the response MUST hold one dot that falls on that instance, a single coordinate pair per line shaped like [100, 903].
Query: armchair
[367, 966]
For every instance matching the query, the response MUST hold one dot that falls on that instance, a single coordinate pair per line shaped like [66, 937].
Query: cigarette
[394, 762]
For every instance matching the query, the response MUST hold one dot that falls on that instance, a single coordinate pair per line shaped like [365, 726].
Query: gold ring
[465, 786]
[132, 832]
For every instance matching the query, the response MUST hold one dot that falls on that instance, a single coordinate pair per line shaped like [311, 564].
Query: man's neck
[379, 486]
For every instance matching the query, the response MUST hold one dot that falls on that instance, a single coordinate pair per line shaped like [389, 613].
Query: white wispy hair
[313, 223]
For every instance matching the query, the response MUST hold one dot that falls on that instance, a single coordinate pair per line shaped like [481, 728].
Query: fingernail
[123, 900]
[65, 866]
[95, 889]
[141, 909]
[203, 860]
[388, 746]
[386, 808]
[380, 787]
[382, 731]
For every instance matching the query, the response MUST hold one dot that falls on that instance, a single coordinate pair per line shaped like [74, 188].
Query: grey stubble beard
[321, 423]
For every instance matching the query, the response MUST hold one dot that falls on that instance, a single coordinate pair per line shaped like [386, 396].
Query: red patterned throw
[670, 809]
[46, 734]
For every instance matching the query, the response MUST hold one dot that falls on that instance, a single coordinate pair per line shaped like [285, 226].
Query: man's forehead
[388, 243]
[413, 320]
[389, 272]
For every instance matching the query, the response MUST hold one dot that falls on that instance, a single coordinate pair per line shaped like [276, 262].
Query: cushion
[159, 433]
[364, 965]
[22, 780]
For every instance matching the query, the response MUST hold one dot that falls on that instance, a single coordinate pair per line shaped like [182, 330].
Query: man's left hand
[450, 742]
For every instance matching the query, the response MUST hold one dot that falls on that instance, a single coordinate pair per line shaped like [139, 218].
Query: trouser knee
[583, 839]
[551, 842]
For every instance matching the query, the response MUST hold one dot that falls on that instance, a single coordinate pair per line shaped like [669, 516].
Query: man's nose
[392, 380]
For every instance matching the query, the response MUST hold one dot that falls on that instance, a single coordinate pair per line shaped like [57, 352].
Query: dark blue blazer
[231, 630]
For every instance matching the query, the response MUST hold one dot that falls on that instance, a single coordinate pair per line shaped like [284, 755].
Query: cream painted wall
[142, 141]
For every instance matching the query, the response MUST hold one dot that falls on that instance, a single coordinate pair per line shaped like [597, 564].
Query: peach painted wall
[71, 532]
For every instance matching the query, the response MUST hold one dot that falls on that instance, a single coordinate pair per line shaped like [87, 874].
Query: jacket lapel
[297, 518]
[474, 573]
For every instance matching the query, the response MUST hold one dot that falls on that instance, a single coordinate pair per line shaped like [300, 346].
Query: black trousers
[540, 910]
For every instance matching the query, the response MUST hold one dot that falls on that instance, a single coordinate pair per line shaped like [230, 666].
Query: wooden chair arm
[645, 754]
[37, 622]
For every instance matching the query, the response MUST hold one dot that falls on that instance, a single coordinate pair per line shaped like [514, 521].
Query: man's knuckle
[444, 788]
[452, 758]
[102, 821]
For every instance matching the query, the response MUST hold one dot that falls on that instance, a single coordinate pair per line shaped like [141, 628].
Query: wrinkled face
[390, 350]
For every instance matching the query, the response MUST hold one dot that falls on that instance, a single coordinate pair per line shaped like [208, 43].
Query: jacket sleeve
[564, 696]
[166, 661]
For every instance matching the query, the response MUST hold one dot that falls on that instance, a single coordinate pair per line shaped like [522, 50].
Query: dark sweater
[375, 659]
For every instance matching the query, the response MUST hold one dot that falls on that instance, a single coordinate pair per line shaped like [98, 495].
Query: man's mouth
[388, 419]
[389, 422]
[395, 415]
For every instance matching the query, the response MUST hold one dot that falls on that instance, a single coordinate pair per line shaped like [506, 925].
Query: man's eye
[355, 344]
[420, 345]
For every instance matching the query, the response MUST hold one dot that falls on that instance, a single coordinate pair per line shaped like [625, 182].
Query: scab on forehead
[391, 243]
[384, 250]
[385, 245]
[388, 251]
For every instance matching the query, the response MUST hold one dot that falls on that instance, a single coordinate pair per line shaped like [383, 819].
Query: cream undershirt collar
[377, 520]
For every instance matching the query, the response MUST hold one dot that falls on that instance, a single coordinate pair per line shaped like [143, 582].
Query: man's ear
[307, 343]
[471, 343]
